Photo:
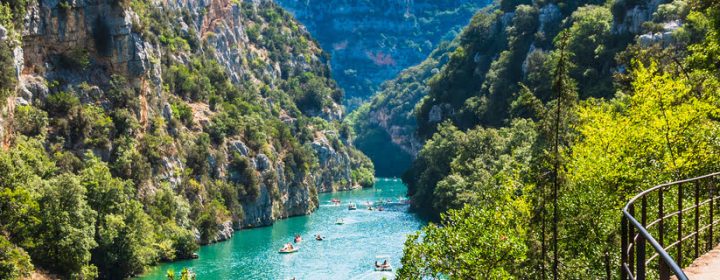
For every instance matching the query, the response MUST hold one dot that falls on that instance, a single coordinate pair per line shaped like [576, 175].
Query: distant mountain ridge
[371, 41]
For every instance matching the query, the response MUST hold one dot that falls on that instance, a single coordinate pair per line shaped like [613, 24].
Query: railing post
[697, 217]
[624, 246]
[712, 212]
[640, 274]
[679, 227]
[631, 241]
[664, 269]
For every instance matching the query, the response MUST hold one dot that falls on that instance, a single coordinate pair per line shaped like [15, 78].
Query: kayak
[387, 268]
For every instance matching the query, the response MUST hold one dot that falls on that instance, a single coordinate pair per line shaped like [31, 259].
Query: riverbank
[347, 252]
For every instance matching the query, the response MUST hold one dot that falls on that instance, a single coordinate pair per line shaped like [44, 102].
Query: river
[348, 251]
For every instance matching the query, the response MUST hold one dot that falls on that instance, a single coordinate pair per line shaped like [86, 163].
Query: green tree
[65, 235]
[124, 232]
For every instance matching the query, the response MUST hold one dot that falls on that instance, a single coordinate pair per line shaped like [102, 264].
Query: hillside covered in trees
[552, 114]
[132, 131]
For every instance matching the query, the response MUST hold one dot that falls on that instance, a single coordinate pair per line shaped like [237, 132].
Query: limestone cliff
[227, 101]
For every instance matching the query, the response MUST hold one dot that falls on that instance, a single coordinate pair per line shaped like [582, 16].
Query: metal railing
[670, 226]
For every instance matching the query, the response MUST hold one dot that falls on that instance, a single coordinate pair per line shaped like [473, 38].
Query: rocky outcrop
[336, 166]
[633, 17]
[100, 30]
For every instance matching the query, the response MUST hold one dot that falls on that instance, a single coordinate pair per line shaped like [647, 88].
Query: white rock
[21, 101]
[3, 33]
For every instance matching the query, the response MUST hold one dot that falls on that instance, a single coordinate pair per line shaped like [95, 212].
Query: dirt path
[707, 267]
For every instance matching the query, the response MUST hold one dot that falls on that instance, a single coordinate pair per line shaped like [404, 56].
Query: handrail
[633, 253]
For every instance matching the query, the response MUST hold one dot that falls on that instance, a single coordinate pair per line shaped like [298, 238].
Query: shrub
[7, 71]
[59, 104]
[76, 59]
[14, 261]
[182, 112]
[243, 173]
[30, 121]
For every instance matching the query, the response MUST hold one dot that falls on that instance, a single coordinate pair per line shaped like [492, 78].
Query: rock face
[372, 41]
[84, 47]
[635, 16]
[86, 27]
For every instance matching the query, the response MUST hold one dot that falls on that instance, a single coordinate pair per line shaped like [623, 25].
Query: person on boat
[377, 265]
[318, 238]
[385, 265]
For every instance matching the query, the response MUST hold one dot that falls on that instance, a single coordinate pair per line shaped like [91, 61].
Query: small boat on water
[339, 221]
[385, 265]
[352, 206]
[289, 250]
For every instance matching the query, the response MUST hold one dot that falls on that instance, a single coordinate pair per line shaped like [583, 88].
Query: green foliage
[463, 249]
[30, 121]
[7, 71]
[310, 92]
[210, 219]
[93, 125]
[59, 104]
[14, 261]
[661, 125]
[591, 47]
[242, 172]
[185, 274]
[363, 177]
[182, 112]
[76, 59]
[455, 167]
[122, 95]
[124, 231]
[66, 232]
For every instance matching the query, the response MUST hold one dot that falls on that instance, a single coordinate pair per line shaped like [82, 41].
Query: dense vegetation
[102, 180]
[623, 112]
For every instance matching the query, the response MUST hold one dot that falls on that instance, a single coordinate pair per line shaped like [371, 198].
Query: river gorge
[347, 252]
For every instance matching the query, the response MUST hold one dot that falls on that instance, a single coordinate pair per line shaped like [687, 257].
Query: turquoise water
[348, 251]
